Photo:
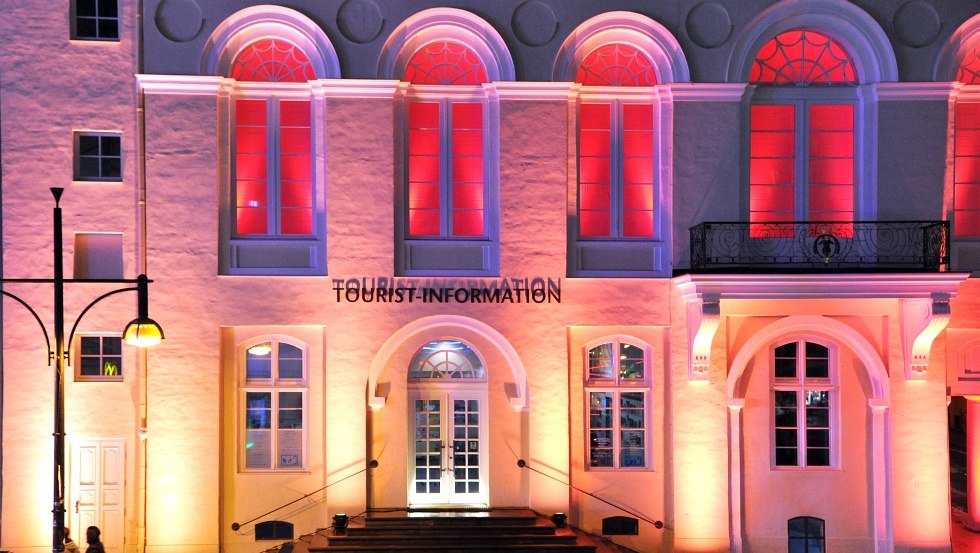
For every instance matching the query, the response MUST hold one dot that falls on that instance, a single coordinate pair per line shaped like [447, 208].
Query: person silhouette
[92, 535]
[70, 546]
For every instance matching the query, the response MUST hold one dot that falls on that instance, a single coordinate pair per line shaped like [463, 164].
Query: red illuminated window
[803, 57]
[966, 154]
[969, 71]
[446, 190]
[803, 405]
[615, 148]
[616, 65]
[272, 60]
[445, 62]
[273, 146]
[802, 148]
[445, 177]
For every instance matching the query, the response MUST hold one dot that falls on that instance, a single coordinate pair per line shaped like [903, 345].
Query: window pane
[258, 409]
[630, 362]
[90, 345]
[600, 361]
[258, 362]
[817, 457]
[290, 361]
[786, 457]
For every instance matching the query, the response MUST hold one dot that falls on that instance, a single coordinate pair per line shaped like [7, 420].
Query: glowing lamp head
[143, 332]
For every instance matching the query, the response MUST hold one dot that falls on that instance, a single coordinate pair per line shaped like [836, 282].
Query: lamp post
[142, 331]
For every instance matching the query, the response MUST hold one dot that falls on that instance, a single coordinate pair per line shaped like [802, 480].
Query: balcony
[820, 247]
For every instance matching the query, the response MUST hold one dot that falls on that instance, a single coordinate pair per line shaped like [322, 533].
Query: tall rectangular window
[274, 406]
[617, 396]
[801, 165]
[446, 191]
[966, 170]
[98, 156]
[95, 19]
[803, 403]
[616, 170]
[273, 168]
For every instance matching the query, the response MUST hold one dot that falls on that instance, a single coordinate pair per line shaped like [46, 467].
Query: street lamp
[142, 331]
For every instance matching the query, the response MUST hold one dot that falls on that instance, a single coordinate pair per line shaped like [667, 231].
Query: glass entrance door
[448, 460]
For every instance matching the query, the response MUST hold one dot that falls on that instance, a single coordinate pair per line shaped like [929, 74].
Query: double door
[447, 446]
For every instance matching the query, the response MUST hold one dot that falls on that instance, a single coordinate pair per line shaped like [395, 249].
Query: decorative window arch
[618, 403]
[446, 359]
[619, 59]
[447, 217]
[273, 377]
[811, 151]
[960, 62]
[273, 216]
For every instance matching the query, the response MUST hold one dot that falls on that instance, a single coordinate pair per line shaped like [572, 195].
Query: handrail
[372, 464]
[656, 523]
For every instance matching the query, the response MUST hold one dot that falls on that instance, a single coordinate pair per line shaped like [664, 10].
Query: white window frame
[415, 255]
[274, 386]
[617, 387]
[100, 157]
[617, 97]
[800, 384]
[77, 358]
[864, 143]
[273, 253]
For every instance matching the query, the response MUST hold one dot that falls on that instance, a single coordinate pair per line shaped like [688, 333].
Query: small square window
[99, 358]
[98, 157]
[95, 20]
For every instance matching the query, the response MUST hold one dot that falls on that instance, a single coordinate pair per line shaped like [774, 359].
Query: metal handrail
[656, 523]
[236, 525]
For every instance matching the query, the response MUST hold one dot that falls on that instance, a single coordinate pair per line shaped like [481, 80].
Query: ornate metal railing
[810, 246]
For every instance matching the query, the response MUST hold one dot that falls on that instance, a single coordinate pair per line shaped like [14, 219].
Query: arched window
[273, 146]
[622, 64]
[446, 360]
[616, 196]
[447, 217]
[617, 395]
[274, 386]
[806, 535]
[802, 132]
[966, 146]
[804, 404]
[447, 194]
[272, 218]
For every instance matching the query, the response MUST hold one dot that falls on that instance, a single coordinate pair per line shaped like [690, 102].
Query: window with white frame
[803, 128]
[274, 399]
[449, 220]
[95, 19]
[273, 222]
[804, 404]
[622, 64]
[618, 404]
[98, 357]
[98, 156]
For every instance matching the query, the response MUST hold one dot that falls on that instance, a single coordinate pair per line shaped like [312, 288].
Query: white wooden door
[98, 491]
[448, 448]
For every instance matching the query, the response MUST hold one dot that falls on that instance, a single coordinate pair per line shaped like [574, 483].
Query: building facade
[705, 265]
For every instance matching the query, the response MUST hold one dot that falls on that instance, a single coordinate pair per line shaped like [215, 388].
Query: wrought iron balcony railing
[812, 246]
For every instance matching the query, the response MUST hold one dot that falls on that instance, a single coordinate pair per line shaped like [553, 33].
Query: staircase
[463, 531]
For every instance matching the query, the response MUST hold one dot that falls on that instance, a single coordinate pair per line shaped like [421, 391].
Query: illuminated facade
[708, 262]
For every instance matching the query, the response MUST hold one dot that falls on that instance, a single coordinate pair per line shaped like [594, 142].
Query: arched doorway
[447, 389]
